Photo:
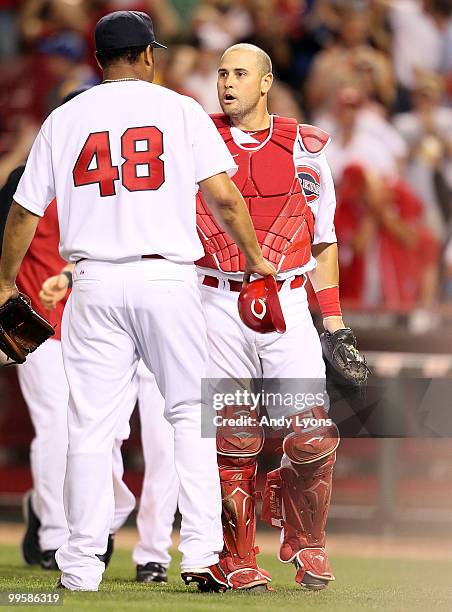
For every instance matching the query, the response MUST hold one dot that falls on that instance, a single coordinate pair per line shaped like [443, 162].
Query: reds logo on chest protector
[269, 184]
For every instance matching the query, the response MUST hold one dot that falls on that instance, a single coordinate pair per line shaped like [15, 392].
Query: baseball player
[160, 489]
[43, 384]
[285, 180]
[123, 160]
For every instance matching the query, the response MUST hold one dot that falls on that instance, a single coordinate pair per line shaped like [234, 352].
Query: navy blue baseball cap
[124, 29]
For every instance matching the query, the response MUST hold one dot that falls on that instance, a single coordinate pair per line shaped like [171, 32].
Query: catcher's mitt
[22, 329]
[344, 363]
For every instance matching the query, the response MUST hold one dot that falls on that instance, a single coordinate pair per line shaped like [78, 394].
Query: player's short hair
[129, 55]
[263, 59]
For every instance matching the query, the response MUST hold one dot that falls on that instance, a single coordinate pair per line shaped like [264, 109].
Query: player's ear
[97, 60]
[266, 82]
[149, 55]
[148, 58]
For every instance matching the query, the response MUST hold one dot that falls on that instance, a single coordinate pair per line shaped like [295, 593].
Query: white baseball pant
[117, 313]
[160, 491]
[44, 386]
[236, 352]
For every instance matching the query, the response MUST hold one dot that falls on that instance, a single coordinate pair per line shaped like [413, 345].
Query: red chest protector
[269, 184]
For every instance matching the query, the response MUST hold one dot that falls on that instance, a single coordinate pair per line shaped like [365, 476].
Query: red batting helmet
[259, 306]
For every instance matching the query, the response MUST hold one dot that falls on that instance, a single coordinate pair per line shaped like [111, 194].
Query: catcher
[285, 180]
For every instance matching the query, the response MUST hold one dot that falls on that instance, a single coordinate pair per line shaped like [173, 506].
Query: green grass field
[361, 585]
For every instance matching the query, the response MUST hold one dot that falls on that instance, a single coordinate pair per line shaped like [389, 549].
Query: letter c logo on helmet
[259, 315]
[259, 306]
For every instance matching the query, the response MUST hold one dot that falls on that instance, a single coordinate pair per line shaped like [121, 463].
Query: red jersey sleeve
[41, 261]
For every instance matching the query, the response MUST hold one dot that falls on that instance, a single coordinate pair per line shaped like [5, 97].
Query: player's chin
[230, 109]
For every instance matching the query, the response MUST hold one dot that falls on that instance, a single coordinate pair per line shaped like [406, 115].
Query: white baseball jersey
[324, 206]
[123, 160]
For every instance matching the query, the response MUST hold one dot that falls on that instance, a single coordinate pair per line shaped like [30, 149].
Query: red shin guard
[237, 461]
[298, 501]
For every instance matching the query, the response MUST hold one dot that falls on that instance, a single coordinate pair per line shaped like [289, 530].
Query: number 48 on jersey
[142, 169]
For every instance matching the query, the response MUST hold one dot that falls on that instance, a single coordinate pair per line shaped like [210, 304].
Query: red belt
[212, 281]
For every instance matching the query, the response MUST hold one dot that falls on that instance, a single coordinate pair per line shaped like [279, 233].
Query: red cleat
[245, 577]
[313, 570]
[211, 579]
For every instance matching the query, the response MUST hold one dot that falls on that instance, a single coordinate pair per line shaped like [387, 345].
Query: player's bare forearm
[236, 221]
[19, 231]
[230, 211]
[326, 276]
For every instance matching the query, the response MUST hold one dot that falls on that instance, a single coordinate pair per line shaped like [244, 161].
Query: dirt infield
[366, 547]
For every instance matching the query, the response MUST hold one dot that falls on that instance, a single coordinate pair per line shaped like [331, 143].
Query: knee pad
[315, 437]
[239, 435]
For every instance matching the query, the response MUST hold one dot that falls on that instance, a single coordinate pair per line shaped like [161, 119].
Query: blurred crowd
[376, 74]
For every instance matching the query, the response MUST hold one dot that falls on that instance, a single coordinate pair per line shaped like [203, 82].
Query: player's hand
[263, 268]
[7, 292]
[53, 290]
